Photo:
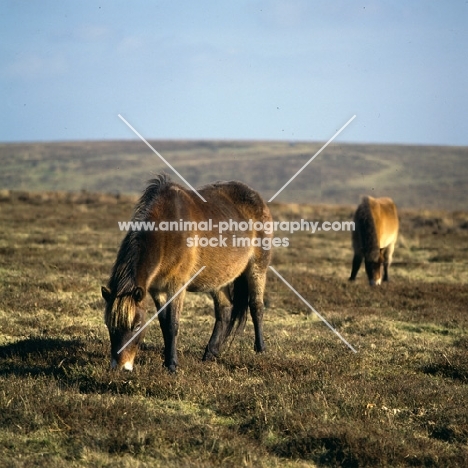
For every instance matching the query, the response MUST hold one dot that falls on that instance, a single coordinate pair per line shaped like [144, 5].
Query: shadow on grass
[38, 355]
[71, 361]
[79, 365]
[454, 371]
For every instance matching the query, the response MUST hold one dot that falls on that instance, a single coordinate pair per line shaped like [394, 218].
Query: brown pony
[163, 261]
[374, 236]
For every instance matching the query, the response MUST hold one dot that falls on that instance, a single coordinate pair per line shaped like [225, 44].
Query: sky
[292, 70]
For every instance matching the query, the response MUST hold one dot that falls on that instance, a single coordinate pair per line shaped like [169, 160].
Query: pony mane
[149, 197]
[121, 313]
[123, 279]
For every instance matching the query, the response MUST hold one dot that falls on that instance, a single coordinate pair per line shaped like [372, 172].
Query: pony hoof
[209, 357]
[258, 349]
[210, 354]
[171, 368]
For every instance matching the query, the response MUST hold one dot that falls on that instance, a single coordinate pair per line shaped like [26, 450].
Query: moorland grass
[308, 401]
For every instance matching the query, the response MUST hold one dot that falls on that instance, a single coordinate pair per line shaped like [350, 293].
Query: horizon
[226, 140]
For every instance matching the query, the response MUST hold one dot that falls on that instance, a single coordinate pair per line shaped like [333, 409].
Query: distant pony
[374, 237]
[160, 262]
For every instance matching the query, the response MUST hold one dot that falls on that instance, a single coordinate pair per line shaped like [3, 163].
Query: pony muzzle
[128, 366]
[123, 361]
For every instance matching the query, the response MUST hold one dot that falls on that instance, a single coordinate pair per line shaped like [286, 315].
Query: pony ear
[138, 294]
[106, 293]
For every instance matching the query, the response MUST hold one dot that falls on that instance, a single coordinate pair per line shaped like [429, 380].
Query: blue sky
[256, 69]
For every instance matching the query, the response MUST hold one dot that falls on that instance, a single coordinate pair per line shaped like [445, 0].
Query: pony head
[125, 319]
[374, 269]
[374, 273]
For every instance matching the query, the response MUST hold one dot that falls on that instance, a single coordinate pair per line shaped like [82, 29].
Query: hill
[415, 176]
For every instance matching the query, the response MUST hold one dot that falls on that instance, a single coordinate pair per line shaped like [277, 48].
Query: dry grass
[308, 401]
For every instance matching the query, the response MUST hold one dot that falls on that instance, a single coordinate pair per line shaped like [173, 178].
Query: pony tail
[240, 305]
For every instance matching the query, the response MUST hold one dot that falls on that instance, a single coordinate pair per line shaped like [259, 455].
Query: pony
[159, 262]
[374, 237]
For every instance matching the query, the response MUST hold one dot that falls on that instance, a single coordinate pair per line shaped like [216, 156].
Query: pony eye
[137, 326]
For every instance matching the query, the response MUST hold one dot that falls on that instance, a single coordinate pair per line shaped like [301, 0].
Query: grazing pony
[162, 261]
[374, 236]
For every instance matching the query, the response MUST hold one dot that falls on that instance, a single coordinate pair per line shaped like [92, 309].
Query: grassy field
[414, 176]
[308, 401]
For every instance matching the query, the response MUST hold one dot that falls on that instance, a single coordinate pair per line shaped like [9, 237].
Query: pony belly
[217, 277]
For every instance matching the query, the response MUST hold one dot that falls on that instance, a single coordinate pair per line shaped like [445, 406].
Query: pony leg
[357, 260]
[256, 283]
[159, 301]
[169, 322]
[164, 324]
[387, 257]
[222, 306]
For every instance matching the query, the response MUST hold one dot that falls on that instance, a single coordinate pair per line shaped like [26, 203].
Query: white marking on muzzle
[128, 366]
